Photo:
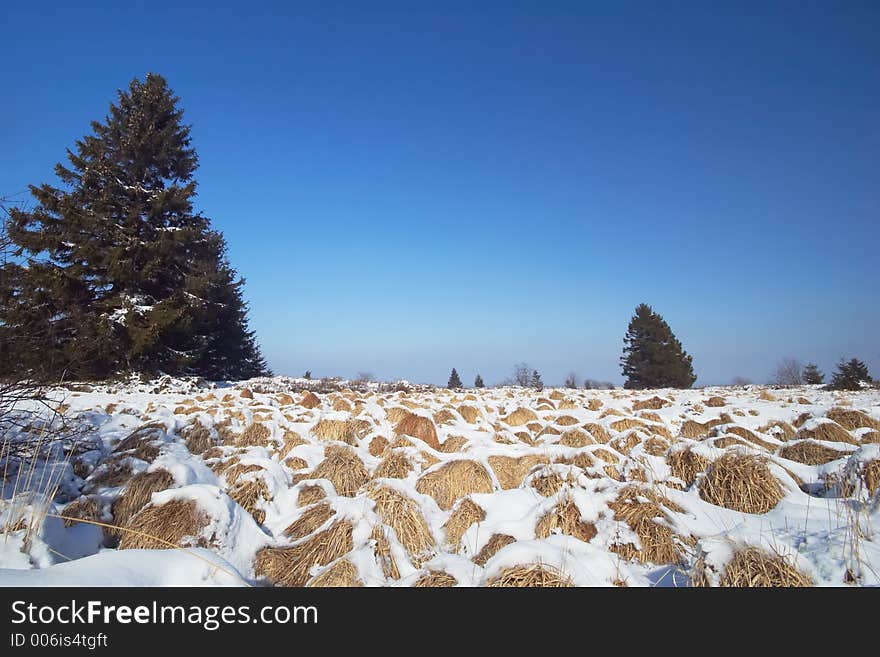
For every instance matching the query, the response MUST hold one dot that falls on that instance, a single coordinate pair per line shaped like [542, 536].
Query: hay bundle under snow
[435, 579]
[576, 438]
[495, 543]
[342, 467]
[177, 523]
[753, 567]
[289, 566]
[82, 508]
[810, 452]
[565, 518]
[309, 495]
[346, 431]
[511, 471]
[828, 431]
[741, 482]
[686, 464]
[197, 438]
[249, 494]
[469, 413]
[653, 403]
[852, 419]
[640, 509]
[403, 516]
[137, 494]
[547, 484]
[530, 576]
[454, 480]
[341, 574]
[750, 436]
[378, 445]
[519, 417]
[598, 432]
[418, 426]
[310, 400]
[466, 514]
[256, 433]
[395, 465]
[453, 444]
[382, 552]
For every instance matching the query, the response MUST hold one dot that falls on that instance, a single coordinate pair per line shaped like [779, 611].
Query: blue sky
[413, 186]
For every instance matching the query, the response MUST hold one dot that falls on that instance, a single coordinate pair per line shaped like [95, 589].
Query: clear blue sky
[413, 186]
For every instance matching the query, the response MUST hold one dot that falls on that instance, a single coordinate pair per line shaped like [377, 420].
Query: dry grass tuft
[582, 459]
[403, 515]
[576, 438]
[594, 404]
[568, 405]
[598, 432]
[625, 444]
[639, 508]
[342, 574]
[342, 467]
[490, 549]
[382, 552]
[435, 579]
[420, 427]
[566, 518]
[454, 480]
[342, 405]
[396, 413]
[694, 430]
[394, 466]
[828, 431]
[547, 484]
[289, 566]
[511, 471]
[519, 417]
[741, 482]
[852, 419]
[566, 420]
[531, 576]
[872, 475]
[296, 463]
[715, 402]
[346, 431]
[198, 438]
[723, 442]
[756, 568]
[137, 494]
[312, 518]
[248, 494]
[751, 437]
[766, 396]
[255, 433]
[469, 413]
[653, 403]
[453, 444]
[605, 455]
[309, 495]
[175, 523]
[82, 508]
[310, 400]
[378, 445]
[444, 416]
[778, 429]
[811, 453]
[465, 515]
[628, 423]
[656, 446]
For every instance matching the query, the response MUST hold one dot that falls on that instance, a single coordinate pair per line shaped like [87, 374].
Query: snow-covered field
[257, 484]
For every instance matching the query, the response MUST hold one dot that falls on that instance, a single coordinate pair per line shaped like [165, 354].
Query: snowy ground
[288, 487]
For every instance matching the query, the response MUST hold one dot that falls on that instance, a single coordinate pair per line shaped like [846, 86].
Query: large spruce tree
[454, 380]
[652, 356]
[115, 271]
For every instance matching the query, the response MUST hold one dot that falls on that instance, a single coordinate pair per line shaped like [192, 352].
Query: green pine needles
[114, 270]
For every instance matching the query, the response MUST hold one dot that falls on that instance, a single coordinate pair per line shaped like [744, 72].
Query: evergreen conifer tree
[536, 381]
[850, 375]
[812, 376]
[116, 270]
[652, 356]
[478, 382]
[454, 380]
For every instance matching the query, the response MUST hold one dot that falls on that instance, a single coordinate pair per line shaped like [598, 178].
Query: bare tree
[741, 381]
[521, 376]
[789, 372]
[571, 381]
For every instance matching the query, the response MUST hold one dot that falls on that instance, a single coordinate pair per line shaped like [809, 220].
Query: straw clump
[511, 471]
[342, 467]
[249, 494]
[576, 438]
[828, 431]
[159, 527]
[137, 494]
[197, 438]
[395, 465]
[309, 495]
[741, 482]
[752, 567]
[454, 480]
[465, 515]
[310, 400]
[566, 519]
[531, 576]
[810, 452]
[520, 416]
[653, 404]
[495, 544]
[418, 426]
[82, 508]
[290, 566]
[686, 464]
[435, 579]
[852, 419]
[639, 509]
[469, 413]
[403, 516]
[342, 574]
[255, 433]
